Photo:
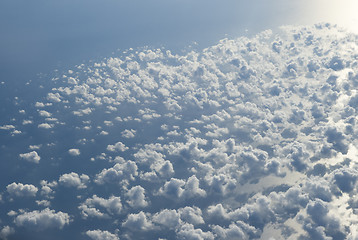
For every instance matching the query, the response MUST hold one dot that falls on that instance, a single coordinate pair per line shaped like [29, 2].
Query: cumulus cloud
[101, 235]
[119, 146]
[21, 190]
[74, 152]
[187, 231]
[31, 157]
[112, 206]
[74, 180]
[129, 133]
[138, 221]
[136, 196]
[42, 220]
[5, 232]
[119, 173]
[45, 125]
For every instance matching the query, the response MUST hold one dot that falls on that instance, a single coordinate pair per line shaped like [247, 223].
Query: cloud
[21, 190]
[187, 231]
[74, 180]
[45, 125]
[129, 133]
[54, 97]
[192, 215]
[101, 235]
[42, 220]
[74, 152]
[136, 196]
[167, 218]
[119, 173]
[6, 231]
[138, 221]
[345, 179]
[112, 206]
[7, 127]
[119, 146]
[31, 157]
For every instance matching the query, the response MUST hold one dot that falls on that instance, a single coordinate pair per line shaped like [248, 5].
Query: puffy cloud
[31, 157]
[45, 125]
[44, 113]
[232, 232]
[129, 133]
[138, 221]
[21, 190]
[173, 188]
[101, 235]
[74, 152]
[5, 232]
[74, 180]
[136, 196]
[54, 97]
[187, 231]
[167, 218]
[112, 205]
[119, 146]
[192, 215]
[42, 220]
[177, 188]
[320, 223]
[120, 172]
[319, 188]
[345, 179]
[7, 127]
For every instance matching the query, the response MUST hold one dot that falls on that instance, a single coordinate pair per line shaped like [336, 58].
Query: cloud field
[252, 138]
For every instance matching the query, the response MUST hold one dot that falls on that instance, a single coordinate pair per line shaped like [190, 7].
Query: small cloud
[45, 125]
[101, 235]
[7, 127]
[119, 146]
[42, 220]
[129, 133]
[74, 152]
[74, 180]
[31, 157]
[21, 190]
[5, 232]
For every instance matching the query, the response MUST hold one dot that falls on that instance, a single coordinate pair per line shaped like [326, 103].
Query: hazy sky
[38, 35]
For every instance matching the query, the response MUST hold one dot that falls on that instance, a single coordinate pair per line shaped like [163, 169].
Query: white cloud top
[42, 220]
[31, 157]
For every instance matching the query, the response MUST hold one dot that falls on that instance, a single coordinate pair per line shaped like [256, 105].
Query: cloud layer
[252, 137]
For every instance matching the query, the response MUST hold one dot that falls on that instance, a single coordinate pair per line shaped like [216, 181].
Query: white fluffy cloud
[119, 146]
[74, 180]
[101, 235]
[112, 206]
[31, 157]
[138, 221]
[21, 190]
[74, 152]
[5, 232]
[136, 197]
[42, 220]
[119, 173]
